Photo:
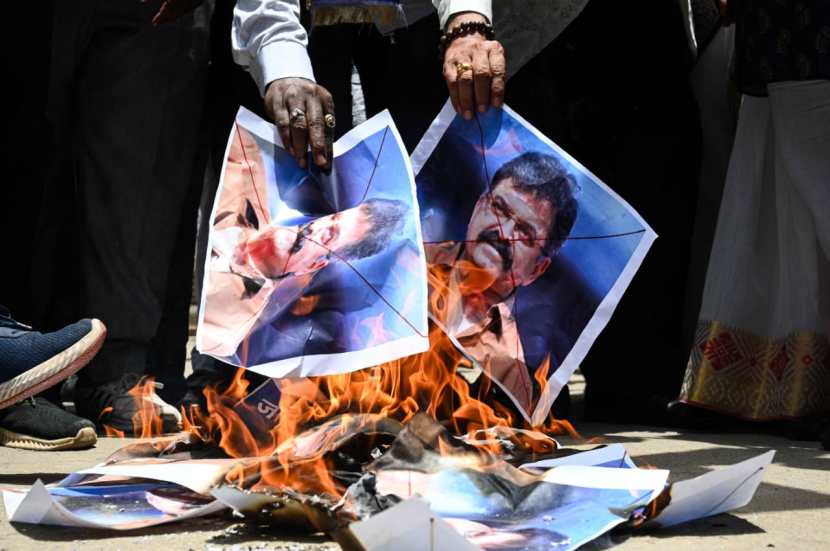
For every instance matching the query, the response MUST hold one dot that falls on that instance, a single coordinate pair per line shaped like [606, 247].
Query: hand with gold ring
[474, 68]
[461, 68]
[303, 111]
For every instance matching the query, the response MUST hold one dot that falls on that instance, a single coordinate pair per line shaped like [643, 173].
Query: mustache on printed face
[502, 246]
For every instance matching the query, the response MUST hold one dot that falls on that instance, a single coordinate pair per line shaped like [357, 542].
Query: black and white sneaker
[113, 405]
[31, 362]
[38, 424]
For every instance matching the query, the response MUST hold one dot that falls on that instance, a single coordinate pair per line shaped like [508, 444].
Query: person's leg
[801, 115]
[168, 353]
[330, 48]
[632, 121]
[402, 73]
[135, 129]
[228, 87]
[32, 362]
[801, 118]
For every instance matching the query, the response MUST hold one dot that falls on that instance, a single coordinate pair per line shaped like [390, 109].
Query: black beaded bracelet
[464, 29]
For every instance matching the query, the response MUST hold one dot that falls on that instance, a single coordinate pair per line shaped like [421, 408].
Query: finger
[498, 69]
[452, 84]
[282, 120]
[328, 109]
[298, 127]
[316, 130]
[481, 79]
[465, 93]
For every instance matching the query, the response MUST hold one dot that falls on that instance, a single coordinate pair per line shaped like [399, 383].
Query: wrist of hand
[465, 17]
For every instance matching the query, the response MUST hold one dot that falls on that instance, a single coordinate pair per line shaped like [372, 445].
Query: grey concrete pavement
[790, 511]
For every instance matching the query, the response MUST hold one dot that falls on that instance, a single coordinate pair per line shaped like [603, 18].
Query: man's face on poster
[506, 237]
[299, 250]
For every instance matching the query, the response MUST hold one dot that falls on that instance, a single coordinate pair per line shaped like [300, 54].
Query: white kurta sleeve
[269, 42]
[447, 8]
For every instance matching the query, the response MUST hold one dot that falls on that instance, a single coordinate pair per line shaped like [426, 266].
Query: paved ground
[791, 509]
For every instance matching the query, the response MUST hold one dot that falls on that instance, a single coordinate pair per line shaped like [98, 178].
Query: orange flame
[428, 382]
[146, 421]
[111, 432]
[424, 382]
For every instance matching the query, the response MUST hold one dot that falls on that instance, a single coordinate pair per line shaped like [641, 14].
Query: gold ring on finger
[461, 68]
[329, 119]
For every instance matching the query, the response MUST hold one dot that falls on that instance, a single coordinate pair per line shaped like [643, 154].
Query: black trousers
[229, 86]
[126, 99]
[400, 72]
[613, 91]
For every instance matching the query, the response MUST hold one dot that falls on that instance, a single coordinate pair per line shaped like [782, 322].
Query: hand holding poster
[311, 273]
[528, 252]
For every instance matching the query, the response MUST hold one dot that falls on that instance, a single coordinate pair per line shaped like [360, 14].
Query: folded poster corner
[715, 492]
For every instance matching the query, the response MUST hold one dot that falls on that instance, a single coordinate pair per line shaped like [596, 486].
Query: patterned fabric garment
[780, 40]
[752, 377]
[762, 349]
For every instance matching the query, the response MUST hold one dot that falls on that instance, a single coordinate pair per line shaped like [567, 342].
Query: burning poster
[312, 273]
[528, 252]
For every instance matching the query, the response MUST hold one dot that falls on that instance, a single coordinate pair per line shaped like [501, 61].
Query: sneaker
[112, 405]
[31, 362]
[38, 424]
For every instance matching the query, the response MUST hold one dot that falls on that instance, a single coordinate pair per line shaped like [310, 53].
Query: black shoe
[31, 362]
[38, 424]
[112, 405]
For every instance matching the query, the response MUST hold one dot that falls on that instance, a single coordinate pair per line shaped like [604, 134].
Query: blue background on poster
[351, 315]
[553, 311]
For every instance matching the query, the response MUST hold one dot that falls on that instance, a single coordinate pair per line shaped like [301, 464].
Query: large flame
[400, 389]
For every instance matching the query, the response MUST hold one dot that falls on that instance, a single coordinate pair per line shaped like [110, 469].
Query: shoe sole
[85, 438]
[54, 370]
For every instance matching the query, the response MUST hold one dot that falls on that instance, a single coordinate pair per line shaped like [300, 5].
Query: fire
[288, 456]
[398, 390]
[146, 421]
[111, 432]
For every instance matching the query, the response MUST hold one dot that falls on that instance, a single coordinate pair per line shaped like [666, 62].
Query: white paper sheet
[409, 526]
[716, 492]
[614, 455]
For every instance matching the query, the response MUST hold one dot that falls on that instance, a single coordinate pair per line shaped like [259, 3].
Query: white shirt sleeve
[447, 8]
[269, 42]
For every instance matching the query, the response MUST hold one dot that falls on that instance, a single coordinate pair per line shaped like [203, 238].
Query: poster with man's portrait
[528, 253]
[311, 272]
